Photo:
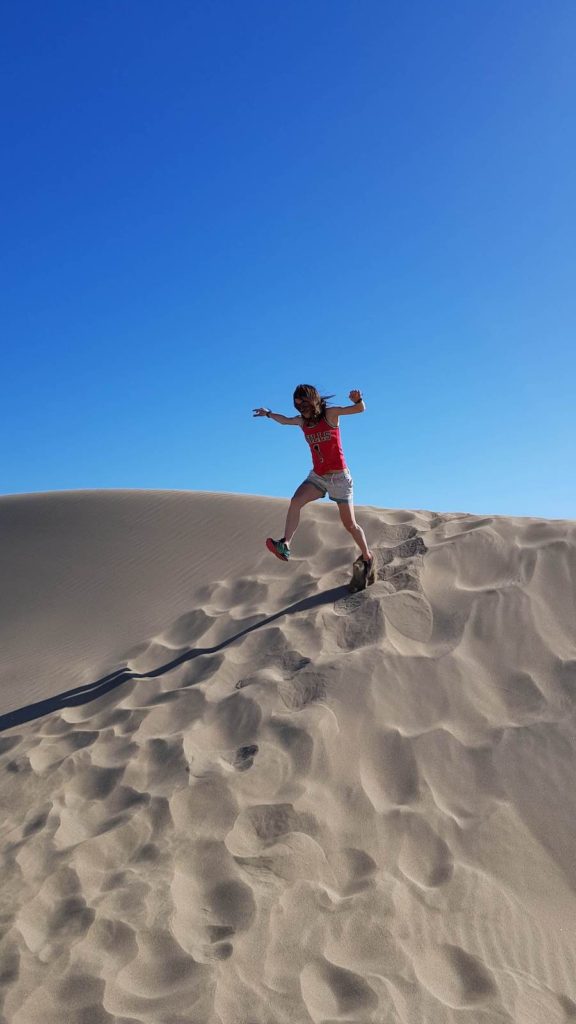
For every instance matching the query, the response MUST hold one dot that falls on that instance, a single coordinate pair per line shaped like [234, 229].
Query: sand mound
[234, 793]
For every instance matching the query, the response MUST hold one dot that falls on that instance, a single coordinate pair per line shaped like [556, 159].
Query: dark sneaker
[370, 570]
[358, 581]
[363, 574]
[278, 548]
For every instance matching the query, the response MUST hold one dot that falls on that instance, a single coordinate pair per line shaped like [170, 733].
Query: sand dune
[234, 793]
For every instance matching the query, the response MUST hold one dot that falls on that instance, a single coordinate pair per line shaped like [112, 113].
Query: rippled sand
[285, 803]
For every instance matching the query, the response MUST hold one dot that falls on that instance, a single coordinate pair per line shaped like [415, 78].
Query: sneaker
[278, 548]
[370, 570]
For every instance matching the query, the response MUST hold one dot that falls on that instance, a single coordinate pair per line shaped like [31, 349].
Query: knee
[296, 504]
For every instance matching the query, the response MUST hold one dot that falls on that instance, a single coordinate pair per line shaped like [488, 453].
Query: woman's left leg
[346, 510]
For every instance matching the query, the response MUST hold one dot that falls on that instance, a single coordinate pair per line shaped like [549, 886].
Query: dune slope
[292, 804]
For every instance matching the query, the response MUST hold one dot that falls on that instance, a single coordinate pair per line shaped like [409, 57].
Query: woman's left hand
[355, 396]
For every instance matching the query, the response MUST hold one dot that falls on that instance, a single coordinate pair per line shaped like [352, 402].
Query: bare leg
[349, 521]
[305, 493]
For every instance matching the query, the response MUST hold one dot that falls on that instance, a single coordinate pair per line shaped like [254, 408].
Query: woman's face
[305, 407]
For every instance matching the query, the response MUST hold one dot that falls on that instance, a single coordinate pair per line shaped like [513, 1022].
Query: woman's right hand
[260, 412]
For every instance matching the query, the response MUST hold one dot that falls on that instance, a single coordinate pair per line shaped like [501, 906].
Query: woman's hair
[314, 397]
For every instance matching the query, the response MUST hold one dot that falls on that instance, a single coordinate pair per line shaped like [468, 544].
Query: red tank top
[326, 447]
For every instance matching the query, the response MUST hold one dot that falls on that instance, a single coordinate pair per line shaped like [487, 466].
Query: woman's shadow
[91, 691]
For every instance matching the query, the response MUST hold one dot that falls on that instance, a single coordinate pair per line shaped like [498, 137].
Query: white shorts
[338, 486]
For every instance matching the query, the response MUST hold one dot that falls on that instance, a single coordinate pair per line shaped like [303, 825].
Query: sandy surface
[285, 803]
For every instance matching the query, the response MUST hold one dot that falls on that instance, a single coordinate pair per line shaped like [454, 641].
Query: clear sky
[205, 204]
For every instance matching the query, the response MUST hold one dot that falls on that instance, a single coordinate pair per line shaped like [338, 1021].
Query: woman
[330, 474]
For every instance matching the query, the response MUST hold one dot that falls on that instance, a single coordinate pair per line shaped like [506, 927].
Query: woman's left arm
[349, 410]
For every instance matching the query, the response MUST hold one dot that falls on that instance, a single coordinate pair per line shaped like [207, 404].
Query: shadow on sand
[84, 694]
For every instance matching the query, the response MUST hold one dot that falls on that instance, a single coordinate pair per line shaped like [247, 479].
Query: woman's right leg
[305, 493]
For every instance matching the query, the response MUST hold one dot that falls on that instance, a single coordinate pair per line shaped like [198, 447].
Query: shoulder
[331, 416]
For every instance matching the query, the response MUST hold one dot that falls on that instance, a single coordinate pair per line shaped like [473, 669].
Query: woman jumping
[330, 474]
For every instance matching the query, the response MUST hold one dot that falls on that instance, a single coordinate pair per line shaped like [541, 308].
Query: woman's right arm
[287, 421]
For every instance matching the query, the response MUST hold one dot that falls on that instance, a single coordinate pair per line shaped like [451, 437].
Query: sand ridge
[342, 807]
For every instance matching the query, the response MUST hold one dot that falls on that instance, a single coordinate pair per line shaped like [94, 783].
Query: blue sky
[205, 204]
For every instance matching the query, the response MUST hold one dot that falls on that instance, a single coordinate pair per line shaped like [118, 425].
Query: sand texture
[234, 793]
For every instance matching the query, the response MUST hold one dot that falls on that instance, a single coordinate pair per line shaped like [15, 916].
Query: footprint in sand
[114, 941]
[388, 771]
[392, 534]
[396, 598]
[354, 869]
[205, 809]
[50, 753]
[7, 743]
[56, 917]
[360, 621]
[451, 529]
[400, 576]
[565, 674]
[456, 978]
[9, 966]
[363, 943]
[211, 902]
[79, 992]
[424, 857]
[262, 825]
[297, 743]
[160, 766]
[160, 982]
[292, 661]
[92, 783]
[519, 696]
[409, 548]
[289, 662]
[199, 670]
[409, 613]
[333, 993]
[244, 757]
[463, 780]
[537, 1006]
[172, 713]
[247, 592]
[187, 630]
[304, 688]
[229, 723]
